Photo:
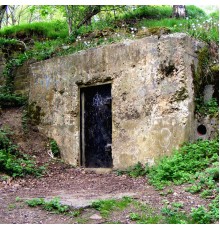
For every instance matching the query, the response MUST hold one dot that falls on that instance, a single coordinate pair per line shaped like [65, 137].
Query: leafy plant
[13, 162]
[184, 163]
[55, 205]
[35, 202]
[134, 216]
[207, 108]
[194, 189]
[54, 148]
[52, 205]
[11, 100]
[201, 215]
[177, 205]
[18, 166]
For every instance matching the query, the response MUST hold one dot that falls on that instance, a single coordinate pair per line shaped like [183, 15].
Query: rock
[95, 217]
[65, 47]
[175, 194]
[16, 185]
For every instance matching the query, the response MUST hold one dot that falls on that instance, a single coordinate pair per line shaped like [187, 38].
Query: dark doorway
[96, 126]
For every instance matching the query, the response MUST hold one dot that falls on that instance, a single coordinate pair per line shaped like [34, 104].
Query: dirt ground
[74, 186]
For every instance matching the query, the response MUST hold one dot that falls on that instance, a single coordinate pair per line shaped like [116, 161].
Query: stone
[65, 47]
[95, 217]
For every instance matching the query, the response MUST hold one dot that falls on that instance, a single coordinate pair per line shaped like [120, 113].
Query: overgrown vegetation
[207, 108]
[194, 163]
[184, 163]
[13, 162]
[11, 100]
[54, 148]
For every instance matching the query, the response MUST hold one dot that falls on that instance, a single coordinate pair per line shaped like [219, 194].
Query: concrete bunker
[151, 99]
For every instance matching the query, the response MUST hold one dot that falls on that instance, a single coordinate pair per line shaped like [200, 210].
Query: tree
[80, 15]
[2, 12]
[179, 11]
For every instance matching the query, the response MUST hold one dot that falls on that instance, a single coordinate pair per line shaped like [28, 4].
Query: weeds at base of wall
[210, 107]
[54, 148]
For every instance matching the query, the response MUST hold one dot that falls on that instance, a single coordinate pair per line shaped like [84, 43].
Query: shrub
[194, 11]
[201, 215]
[11, 100]
[54, 148]
[18, 166]
[150, 12]
[184, 163]
[207, 108]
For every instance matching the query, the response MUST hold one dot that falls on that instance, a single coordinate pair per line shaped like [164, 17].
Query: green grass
[107, 206]
[42, 30]
[150, 12]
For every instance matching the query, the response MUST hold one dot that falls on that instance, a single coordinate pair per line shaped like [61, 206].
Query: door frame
[82, 158]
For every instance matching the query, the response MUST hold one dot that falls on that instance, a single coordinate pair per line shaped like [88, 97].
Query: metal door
[96, 126]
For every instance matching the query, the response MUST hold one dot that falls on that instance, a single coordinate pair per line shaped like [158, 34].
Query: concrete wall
[152, 96]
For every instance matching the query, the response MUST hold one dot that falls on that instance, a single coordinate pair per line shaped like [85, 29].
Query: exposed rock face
[152, 96]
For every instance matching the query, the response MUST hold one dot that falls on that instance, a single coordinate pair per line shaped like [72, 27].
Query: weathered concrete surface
[78, 202]
[21, 79]
[152, 96]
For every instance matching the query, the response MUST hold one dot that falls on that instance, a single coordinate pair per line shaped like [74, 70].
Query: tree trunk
[2, 12]
[91, 12]
[179, 11]
[69, 18]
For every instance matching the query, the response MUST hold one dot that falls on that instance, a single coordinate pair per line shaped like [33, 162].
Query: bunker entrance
[96, 126]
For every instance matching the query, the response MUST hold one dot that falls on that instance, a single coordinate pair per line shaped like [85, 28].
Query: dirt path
[75, 186]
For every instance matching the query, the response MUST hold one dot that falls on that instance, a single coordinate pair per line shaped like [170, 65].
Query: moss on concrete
[201, 74]
[34, 113]
[159, 30]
